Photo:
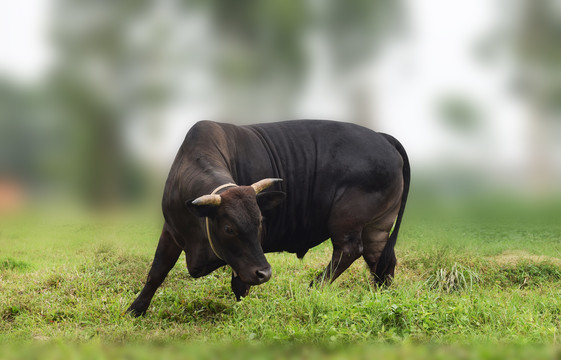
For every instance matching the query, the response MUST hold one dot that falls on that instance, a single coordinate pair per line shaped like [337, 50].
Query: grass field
[480, 282]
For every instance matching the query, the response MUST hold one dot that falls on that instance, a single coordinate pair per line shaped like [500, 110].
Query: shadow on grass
[199, 311]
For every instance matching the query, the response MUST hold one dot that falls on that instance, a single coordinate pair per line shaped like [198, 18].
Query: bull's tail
[386, 263]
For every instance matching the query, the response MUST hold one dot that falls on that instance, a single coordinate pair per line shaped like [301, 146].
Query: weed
[455, 278]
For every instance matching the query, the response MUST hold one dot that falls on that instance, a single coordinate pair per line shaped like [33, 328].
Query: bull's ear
[270, 199]
[200, 210]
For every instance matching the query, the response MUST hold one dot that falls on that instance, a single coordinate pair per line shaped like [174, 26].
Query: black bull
[340, 181]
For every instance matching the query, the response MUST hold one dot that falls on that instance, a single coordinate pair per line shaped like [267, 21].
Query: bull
[224, 202]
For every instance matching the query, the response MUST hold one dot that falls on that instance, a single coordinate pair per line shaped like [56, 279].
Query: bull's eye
[228, 230]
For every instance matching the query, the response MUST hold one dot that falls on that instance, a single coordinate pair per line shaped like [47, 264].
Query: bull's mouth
[256, 276]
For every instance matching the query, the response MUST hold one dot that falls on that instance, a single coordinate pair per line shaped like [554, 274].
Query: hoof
[135, 312]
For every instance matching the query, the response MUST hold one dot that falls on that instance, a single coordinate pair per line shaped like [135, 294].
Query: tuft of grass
[13, 264]
[524, 274]
[455, 278]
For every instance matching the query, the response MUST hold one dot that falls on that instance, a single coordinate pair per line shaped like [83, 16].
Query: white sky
[24, 50]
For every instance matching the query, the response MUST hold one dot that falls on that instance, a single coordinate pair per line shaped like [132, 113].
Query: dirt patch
[514, 257]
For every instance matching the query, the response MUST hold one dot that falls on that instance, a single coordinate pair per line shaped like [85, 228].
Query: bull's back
[329, 153]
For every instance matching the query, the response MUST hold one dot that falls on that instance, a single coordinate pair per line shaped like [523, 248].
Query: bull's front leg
[165, 258]
[239, 288]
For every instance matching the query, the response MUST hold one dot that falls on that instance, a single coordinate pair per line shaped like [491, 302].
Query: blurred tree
[260, 59]
[89, 86]
[460, 114]
[118, 59]
[30, 143]
[538, 47]
[356, 30]
[263, 55]
[20, 140]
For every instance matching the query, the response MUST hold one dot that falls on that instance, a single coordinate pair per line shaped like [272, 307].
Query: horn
[207, 200]
[263, 184]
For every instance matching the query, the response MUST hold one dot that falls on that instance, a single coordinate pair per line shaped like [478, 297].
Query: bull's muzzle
[256, 276]
[263, 275]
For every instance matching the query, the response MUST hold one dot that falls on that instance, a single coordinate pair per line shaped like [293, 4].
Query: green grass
[467, 280]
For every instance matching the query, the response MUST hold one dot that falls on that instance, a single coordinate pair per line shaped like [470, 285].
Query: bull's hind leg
[165, 258]
[348, 216]
[378, 249]
[346, 249]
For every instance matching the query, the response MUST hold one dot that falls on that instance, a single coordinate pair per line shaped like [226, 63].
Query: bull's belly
[296, 245]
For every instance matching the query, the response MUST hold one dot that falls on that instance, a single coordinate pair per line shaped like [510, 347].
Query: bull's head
[234, 225]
